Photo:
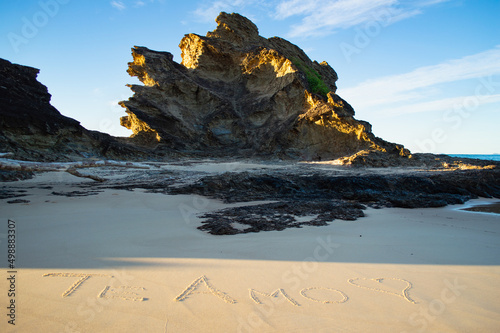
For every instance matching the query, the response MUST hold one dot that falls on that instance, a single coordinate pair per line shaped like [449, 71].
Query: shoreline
[492, 208]
[133, 259]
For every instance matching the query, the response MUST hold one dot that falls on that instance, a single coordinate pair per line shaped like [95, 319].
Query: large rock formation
[237, 93]
[32, 129]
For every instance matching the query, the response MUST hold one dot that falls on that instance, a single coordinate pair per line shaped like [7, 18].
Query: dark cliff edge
[32, 129]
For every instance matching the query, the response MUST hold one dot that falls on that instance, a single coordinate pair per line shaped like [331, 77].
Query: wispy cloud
[122, 5]
[320, 17]
[441, 104]
[208, 11]
[420, 84]
[408, 86]
[324, 17]
[289, 8]
[118, 5]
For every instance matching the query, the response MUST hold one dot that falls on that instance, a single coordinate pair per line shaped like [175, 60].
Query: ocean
[493, 157]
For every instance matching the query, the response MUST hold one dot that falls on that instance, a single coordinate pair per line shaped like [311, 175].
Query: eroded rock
[237, 93]
[32, 129]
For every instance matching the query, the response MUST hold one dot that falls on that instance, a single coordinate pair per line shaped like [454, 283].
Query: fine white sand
[124, 261]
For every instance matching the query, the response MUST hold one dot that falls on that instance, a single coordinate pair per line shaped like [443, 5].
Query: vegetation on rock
[314, 79]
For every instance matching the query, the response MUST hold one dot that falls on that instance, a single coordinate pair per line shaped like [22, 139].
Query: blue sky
[424, 73]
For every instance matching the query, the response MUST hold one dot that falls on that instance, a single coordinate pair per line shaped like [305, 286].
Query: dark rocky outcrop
[236, 93]
[13, 175]
[417, 190]
[326, 197]
[32, 129]
[279, 216]
[284, 195]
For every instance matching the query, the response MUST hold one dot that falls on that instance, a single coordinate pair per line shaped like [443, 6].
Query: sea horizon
[489, 157]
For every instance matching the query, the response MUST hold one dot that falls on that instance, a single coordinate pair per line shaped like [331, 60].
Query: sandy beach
[250, 167]
[130, 261]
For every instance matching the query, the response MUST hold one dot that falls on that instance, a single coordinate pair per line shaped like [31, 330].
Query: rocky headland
[236, 93]
[235, 97]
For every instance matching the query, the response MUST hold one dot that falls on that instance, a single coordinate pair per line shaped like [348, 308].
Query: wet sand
[129, 261]
[491, 208]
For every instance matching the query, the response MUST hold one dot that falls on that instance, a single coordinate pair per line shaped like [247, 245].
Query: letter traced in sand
[304, 291]
[275, 294]
[83, 277]
[121, 292]
[191, 289]
[404, 293]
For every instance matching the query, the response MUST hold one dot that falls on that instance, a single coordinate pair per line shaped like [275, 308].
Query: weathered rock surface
[237, 93]
[298, 194]
[10, 175]
[324, 197]
[32, 129]
[279, 216]
[425, 189]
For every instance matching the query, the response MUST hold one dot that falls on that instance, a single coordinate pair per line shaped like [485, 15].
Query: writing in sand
[202, 285]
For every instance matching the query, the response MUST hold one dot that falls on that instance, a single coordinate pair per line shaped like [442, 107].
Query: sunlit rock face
[237, 93]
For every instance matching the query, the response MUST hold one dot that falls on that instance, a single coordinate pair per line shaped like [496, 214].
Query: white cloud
[118, 5]
[122, 5]
[451, 103]
[324, 17]
[418, 84]
[321, 17]
[295, 7]
[209, 11]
